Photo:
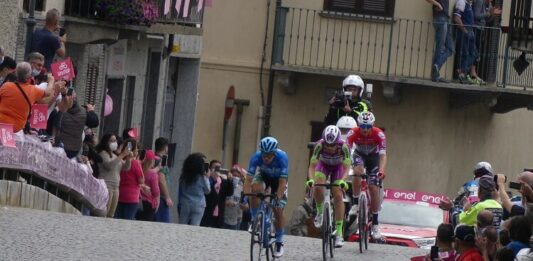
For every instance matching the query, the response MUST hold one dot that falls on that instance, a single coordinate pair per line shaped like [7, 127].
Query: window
[39, 5]
[364, 7]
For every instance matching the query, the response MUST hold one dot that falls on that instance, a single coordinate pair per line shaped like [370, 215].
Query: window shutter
[364, 7]
[347, 6]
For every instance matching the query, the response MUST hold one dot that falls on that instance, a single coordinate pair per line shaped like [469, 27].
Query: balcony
[106, 21]
[393, 50]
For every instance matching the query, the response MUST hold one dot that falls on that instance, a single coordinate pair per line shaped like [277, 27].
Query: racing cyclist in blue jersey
[269, 169]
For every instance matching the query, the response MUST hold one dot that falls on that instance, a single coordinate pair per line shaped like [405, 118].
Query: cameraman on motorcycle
[349, 102]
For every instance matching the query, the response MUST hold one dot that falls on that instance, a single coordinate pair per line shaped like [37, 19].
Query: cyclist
[269, 169]
[331, 156]
[351, 105]
[345, 125]
[370, 154]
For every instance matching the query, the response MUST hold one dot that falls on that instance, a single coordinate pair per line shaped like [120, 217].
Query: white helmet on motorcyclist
[354, 80]
[482, 168]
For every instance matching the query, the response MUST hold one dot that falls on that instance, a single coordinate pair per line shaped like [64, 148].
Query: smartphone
[62, 31]
[434, 254]
[69, 92]
[515, 185]
[224, 171]
[530, 170]
[129, 146]
[164, 160]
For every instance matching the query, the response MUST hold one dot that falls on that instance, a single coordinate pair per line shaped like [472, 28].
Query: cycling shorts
[333, 173]
[273, 184]
[370, 163]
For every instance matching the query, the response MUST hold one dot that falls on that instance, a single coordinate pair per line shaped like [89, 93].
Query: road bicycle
[263, 238]
[364, 220]
[327, 230]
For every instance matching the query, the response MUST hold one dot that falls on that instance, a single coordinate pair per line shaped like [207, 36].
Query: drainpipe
[260, 119]
[30, 25]
[237, 140]
[268, 107]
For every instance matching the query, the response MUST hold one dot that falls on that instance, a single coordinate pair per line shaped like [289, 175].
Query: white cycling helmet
[482, 168]
[346, 122]
[366, 118]
[354, 80]
[331, 134]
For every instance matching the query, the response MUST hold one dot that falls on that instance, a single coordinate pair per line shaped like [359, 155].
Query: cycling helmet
[346, 122]
[268, 145]
[354, 80]
[331, 134]
[482, 168]
[366, 118]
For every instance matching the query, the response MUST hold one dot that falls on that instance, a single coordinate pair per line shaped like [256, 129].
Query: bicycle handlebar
[327, 185]
[311, 145]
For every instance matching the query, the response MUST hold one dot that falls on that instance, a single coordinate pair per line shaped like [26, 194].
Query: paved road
[38, 235]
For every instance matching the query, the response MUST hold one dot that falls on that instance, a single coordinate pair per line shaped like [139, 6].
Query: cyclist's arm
[314, 160]
[347, 161]
[382, 162]
[282, 183]
[382, 149]
[250, 175]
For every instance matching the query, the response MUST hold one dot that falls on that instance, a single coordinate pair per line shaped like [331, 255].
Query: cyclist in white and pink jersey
[370, 154]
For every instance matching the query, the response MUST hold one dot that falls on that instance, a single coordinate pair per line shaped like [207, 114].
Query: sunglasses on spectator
[365, 126]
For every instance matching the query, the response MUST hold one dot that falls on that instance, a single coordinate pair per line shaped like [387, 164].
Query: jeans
[469, 53]
[147, 213]
[191, 215]
[163, 213]
[126, 210]
[443, 40]
[232, 227]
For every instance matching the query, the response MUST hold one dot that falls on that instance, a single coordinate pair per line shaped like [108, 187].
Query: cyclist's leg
[358, 170]
[258, 186]
[318, 193]
[278, 211]
[372, 163]
[338, 197]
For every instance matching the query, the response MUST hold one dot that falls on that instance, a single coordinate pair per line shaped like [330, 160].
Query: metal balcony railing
[191, 13]
[327, 41]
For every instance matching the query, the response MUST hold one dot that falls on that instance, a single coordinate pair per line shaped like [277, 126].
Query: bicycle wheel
[331, 224]
[256, 242]
[326, 234]
[362, 219]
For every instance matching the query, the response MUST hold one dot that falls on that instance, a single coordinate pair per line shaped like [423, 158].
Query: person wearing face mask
[7, 69]
[46, 41]
[111, 166]
[36, 61]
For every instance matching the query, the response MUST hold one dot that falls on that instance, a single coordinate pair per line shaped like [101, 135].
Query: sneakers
[479, 81]
[376, 234]
[278, 250]
[339, 241]
[435, 76]
[354, 210]
[318, 220]
[250, 224]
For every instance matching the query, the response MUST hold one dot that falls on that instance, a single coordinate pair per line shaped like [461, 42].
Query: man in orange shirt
[15, 102]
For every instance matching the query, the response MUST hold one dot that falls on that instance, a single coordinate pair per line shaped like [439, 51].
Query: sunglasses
[365, 126]
[267, 155]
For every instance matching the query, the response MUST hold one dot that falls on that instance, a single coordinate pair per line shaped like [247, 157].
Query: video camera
[341, 97]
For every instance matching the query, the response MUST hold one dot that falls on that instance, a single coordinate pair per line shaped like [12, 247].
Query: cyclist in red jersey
[370, 154]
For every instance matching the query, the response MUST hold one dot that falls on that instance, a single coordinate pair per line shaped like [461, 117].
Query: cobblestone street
[38, 235]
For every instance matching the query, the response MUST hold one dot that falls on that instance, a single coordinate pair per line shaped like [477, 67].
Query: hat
[149, 155]
[487, 183]
[465, 233]
[8, 63]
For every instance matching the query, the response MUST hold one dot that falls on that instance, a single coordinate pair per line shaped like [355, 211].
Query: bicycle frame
[264, 216]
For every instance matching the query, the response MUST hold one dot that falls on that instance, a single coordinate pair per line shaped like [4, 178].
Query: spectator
[443, 37]
[36, 60]
[72, 124]
[525, 254]
[484, 13]
[465, 244]
[161, 150]
[89, 150]
[484, 219]
[301, 216]
[463, 16]
[246, 214]
[487, 241]
[46, 42]
[351, 105]
[7, 69]
[526, 179]
[150, 198]
[131, 183]
[520, 232]
[215, 202]
[193, 186]
[444, 241]
[506, 254]
[233, 212]
[16, 98]
[111, 167]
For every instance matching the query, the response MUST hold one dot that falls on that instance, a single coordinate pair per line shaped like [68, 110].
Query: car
[410, 218]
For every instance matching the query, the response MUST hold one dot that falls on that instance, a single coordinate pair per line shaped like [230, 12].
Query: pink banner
[186, 8]
[178, 6]
[63, 70]
[208, 3]
[414, 196]
[39, 116]
[167, 7]
[200, 5]
[7, 138]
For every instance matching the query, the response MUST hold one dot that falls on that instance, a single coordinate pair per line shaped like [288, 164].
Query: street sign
[230, 103]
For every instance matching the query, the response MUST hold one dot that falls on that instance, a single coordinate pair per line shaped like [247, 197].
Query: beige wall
[430, 148]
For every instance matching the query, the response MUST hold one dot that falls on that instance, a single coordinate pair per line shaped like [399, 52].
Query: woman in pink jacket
[150, 201]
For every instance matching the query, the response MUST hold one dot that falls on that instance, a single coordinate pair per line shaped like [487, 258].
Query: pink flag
[63, 70]
[186, 8]
[7, 138]
[200, 5]
[178, 6]
[167, 7]
[208, 3]
[39, 119]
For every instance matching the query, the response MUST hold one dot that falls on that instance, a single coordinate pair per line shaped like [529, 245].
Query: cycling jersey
[373, 143]
[278, 168]
[340, 156]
